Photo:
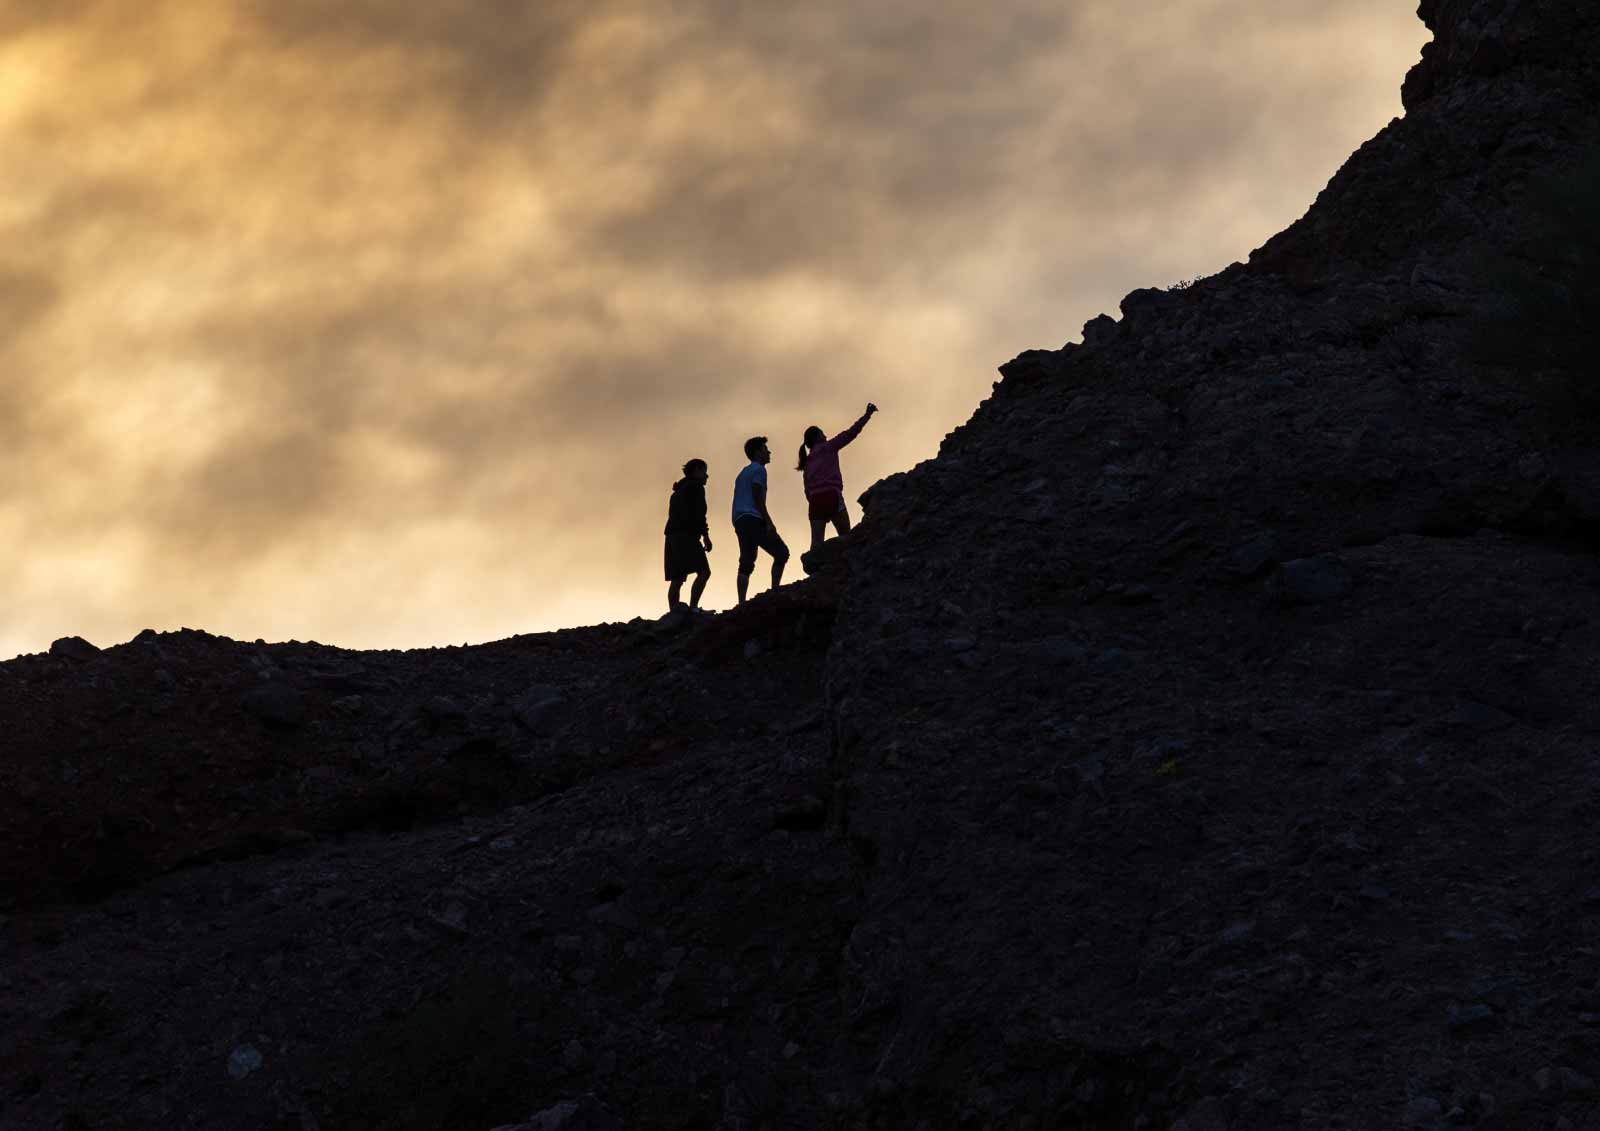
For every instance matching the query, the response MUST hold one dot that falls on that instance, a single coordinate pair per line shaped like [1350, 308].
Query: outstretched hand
[871, 408]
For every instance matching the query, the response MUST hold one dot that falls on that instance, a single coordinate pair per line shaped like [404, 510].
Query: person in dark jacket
[688, 536]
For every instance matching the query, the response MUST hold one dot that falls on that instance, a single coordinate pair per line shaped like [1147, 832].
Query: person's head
[695, 469]
[756, 448]
[814, 436]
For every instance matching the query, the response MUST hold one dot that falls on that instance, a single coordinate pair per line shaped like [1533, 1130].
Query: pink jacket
[822, 465]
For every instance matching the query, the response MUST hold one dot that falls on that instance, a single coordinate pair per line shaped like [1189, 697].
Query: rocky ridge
[1205, 739]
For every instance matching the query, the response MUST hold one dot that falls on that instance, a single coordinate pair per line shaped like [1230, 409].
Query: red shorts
[825, 504]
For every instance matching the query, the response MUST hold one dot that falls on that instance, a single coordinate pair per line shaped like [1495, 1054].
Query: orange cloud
[390, 325]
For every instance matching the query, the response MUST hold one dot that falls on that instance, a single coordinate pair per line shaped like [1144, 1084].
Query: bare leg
[673, 591]
[698, 588]
[841, 522]
[818, 525]
[777, 569]
[743, 585]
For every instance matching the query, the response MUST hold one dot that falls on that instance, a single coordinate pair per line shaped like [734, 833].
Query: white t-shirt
[744, 499]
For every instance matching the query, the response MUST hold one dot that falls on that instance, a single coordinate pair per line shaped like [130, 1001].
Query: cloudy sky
[388, 324]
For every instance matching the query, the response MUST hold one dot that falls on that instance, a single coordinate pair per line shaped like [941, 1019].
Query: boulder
[828, 558]
[1142, 301]
[74, 648]
[1100, 328]
[538, 707]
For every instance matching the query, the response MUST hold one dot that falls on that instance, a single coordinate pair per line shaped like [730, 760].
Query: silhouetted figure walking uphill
[824, 482]
[688, 536]
[752, 522]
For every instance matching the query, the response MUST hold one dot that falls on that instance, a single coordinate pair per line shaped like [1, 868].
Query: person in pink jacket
[819, 462]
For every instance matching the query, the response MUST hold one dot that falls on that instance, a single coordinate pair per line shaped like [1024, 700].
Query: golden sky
[389, 324]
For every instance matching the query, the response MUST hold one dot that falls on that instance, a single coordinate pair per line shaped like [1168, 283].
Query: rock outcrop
[1205, 739]
[1261, 782]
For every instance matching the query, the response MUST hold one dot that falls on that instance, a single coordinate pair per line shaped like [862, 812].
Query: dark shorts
[684, 556]
[754, 534]
[825, 504]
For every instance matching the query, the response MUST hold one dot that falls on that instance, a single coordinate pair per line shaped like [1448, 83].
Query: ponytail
[813, 437]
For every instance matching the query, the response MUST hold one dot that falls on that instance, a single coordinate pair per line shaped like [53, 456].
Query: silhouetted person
[824, 482]
[751, 520]
[688, 536]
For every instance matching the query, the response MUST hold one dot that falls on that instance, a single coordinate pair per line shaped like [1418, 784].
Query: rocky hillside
[1207, 738]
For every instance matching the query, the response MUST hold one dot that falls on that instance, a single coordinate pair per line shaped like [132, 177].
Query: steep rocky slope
[1207, 738]
[1248, 768]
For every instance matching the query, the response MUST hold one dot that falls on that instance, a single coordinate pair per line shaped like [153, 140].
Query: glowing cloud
[389, 325]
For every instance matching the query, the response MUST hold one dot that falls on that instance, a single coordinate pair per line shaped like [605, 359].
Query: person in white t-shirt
[751, 520]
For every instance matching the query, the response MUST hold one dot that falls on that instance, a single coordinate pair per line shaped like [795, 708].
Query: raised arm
[854, 430]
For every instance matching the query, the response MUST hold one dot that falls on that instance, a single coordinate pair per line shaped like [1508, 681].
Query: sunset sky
[389, 324]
